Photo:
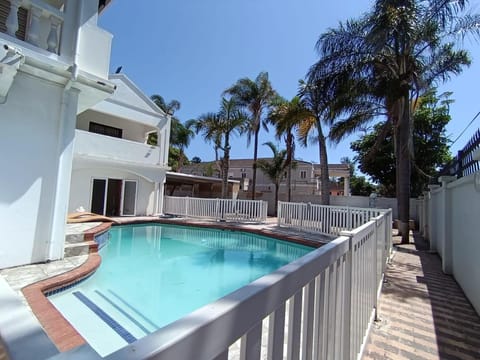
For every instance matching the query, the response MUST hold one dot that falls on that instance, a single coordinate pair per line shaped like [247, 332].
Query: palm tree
[255, 96]
[379, 64]
[219, 126]
[180, 134]
[315, 99]
[274, 168]
[287, 116]
[168, 108]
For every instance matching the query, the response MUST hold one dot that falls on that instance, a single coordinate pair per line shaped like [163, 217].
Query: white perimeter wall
[29, 162]
[452, 227]
[81, 188]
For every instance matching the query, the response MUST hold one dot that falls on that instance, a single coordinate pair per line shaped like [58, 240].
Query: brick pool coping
[60, 331]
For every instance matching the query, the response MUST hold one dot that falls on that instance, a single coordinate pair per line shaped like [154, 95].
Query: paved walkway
[423, 312]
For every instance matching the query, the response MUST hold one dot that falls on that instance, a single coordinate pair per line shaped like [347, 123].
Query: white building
[54, 63]
[115, 173]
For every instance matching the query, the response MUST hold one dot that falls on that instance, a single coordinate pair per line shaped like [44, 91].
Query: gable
[128, 94]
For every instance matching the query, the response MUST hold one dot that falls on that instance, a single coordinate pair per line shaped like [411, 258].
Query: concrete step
[80, 248]
[74, 238]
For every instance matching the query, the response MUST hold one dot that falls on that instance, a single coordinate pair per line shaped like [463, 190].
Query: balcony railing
[38, 23]
[102, 147]
[35, 22]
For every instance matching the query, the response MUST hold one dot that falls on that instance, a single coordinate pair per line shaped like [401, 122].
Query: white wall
[81, 188]
[452, 230]
[30, 144]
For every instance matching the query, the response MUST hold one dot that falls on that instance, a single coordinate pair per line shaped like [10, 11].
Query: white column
[160, 190]
[346, 186]
[166, 140]
[33, 35]
[52, 40]
[432, 221]
[425, 213]
[68, 116]
[445, 225]
[12, 20]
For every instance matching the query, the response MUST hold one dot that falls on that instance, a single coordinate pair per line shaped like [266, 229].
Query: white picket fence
[323, 219]
[320, 306]
[216, 209]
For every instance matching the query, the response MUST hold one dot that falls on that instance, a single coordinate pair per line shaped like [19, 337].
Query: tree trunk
[289, 142]
[404, 169]
[254, 165]
[325, 178]
[225, 166]
[275, 207]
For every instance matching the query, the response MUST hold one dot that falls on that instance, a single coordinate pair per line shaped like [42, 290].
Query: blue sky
[192, 50]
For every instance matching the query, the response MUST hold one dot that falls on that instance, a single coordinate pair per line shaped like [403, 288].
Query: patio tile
[423, 313]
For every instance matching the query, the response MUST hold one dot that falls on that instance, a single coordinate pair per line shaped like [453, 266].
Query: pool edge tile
[60, 331]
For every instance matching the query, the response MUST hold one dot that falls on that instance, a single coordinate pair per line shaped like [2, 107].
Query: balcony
[36, 23]
[95, 147]
[40, 28]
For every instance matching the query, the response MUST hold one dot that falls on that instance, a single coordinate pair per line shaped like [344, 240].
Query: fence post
[349, 218]
[302, 209]
[445, 233]
[347, 300]
[187, 206]
[375, 272]
[459, 164]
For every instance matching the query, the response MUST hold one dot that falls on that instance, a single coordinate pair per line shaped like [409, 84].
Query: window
[303, 174]
[105, 130]
[244, 175]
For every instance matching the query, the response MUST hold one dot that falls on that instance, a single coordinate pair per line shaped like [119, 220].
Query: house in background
[54, 63]
[305, 176]
[305, 180]
[115, 173]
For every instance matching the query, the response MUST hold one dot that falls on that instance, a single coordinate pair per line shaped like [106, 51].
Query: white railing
[44, 25]
[318, 307]
[88, 144]
[216, 209]
[329, 220]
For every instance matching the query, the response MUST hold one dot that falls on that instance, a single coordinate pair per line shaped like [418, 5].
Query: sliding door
[129, 197]
[114, 197]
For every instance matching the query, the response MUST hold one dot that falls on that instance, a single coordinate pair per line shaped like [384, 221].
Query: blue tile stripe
[124, 302]
[123, 312]
[119, 329]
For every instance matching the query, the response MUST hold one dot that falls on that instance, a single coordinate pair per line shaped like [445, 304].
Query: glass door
[99, 187]
[129, 197]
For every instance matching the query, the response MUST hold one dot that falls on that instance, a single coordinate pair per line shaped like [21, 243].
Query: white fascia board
[134, 96]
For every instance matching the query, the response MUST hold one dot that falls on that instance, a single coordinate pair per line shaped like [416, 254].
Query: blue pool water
[152, 275]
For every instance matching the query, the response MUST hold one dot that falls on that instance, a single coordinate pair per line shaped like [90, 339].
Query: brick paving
[423, 312]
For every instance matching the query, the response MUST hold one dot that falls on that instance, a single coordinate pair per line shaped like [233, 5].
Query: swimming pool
[152, 275]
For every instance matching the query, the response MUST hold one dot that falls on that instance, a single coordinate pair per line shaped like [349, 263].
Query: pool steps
[113, 313]
[85, 242]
